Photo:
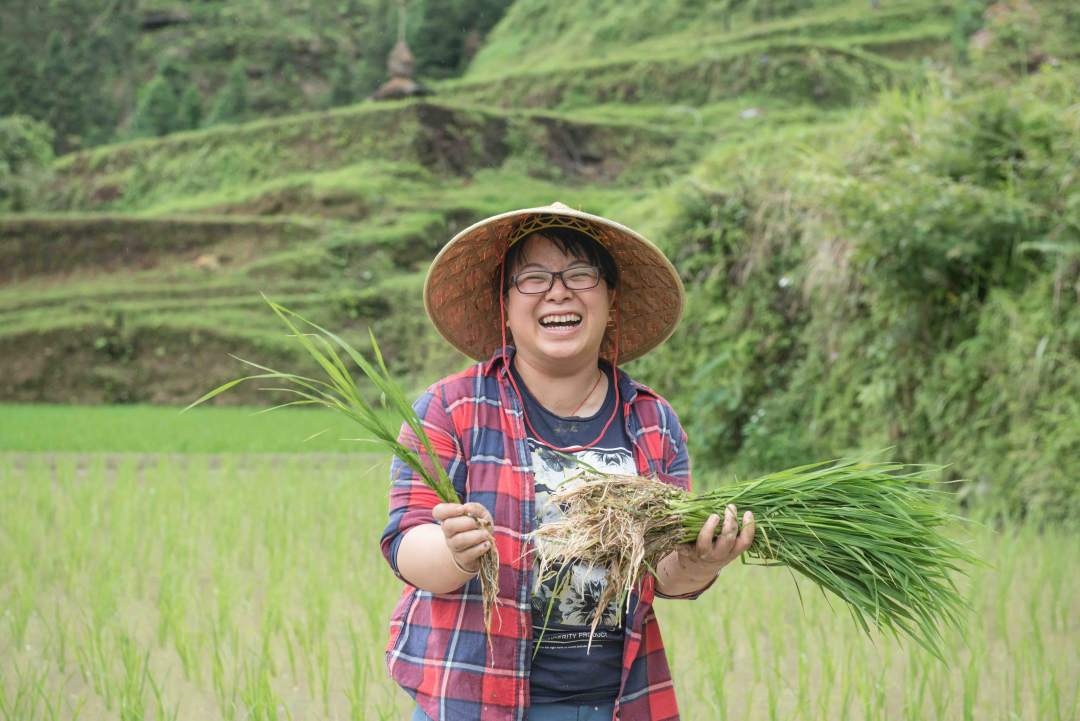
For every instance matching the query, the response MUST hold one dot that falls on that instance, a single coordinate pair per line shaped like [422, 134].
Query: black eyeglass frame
[553, 274]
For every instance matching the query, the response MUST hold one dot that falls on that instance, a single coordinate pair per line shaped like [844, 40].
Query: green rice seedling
[60, 633]
[340, 392]
[257, 695]
[94, 665]
[136, 671]
[871, 533]
[357, 681]
[52, 709]
[162, 710]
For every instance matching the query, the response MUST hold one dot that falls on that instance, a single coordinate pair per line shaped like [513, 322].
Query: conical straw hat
[461, 299]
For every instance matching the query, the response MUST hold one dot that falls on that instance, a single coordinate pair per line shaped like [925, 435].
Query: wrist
[461, 569]
[680, 577]
[695, 571]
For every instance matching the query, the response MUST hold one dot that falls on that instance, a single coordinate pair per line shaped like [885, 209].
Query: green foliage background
[912, 285]
[875, 211]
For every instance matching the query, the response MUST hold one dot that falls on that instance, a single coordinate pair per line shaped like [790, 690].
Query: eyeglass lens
[541, 281]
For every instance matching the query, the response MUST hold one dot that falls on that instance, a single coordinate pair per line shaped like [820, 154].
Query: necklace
[599, 377]
[571, 448]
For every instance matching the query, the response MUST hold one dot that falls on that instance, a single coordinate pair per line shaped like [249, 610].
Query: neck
[564, 391]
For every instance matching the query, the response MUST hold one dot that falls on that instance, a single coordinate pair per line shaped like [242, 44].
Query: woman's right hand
[465, 528]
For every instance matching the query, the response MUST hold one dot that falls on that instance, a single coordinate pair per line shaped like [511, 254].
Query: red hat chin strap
[524, 413]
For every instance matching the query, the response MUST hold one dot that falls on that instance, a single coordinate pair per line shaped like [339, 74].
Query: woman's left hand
[694, 565]
[712, 552]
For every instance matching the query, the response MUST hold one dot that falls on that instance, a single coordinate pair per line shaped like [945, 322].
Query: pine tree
[439, 40]
[61, 108]
[156, 113]
[20, 91]
[175, 73]
[230, 105]
[342, 82]
[189, 114]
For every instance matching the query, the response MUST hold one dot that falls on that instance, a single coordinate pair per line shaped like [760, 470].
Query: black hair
[571, 242]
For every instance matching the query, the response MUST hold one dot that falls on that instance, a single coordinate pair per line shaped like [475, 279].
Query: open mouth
[561, 320]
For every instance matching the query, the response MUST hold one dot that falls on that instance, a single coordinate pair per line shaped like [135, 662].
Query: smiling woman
[549, 300]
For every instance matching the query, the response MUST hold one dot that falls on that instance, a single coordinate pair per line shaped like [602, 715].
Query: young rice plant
[872, 533]
[338, 391]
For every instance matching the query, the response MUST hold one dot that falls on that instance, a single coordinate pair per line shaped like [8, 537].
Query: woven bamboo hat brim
[460, 289]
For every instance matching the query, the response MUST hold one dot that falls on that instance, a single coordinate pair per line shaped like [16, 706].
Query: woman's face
[561, 328]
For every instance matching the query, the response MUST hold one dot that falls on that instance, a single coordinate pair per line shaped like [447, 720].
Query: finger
[476, 510]
[459, 524]
[746, 535]
[470, 556]
[470, 539]
[447, 510]
[726, 542]
[704, 543]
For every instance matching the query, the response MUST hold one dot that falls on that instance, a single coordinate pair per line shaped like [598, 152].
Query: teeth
[560, 318]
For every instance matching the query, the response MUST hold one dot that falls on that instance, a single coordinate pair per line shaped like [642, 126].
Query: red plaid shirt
[438, 651]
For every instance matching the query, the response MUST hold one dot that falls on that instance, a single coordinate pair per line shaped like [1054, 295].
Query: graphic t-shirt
[566, 667]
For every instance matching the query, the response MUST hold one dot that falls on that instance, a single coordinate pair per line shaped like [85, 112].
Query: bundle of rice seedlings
[871, 533]
[338, 391]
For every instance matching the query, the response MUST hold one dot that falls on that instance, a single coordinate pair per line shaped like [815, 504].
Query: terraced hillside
[147, 264]
[146, 283]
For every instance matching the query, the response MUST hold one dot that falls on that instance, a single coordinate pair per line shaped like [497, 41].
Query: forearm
[424, 560]
[674, 577]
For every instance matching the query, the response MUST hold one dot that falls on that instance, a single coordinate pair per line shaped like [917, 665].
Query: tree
[20, 91]
[189, 114]
[439, 40]
[25, 156]
[231, 104]
[175, 73]
[168, 103]
[342, 82]
[157, 111]
[61, 105]
[438, 30]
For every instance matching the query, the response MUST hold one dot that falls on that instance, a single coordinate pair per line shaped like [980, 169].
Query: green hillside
[875, 212]
[106, 70]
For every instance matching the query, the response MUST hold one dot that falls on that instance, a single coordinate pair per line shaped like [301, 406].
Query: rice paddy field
[248, 584]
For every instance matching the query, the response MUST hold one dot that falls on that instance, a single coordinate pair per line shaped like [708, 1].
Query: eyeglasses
[581, 277]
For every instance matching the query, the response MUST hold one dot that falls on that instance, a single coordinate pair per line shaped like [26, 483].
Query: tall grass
[264, 573]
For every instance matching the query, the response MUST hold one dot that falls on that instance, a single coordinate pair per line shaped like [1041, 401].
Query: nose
[558, 288]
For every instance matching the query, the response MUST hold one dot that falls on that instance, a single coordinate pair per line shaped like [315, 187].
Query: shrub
[25, 155]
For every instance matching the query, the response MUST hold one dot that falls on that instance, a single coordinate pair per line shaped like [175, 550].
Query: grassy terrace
[337, 213]
[410, 139]
[560, 36]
